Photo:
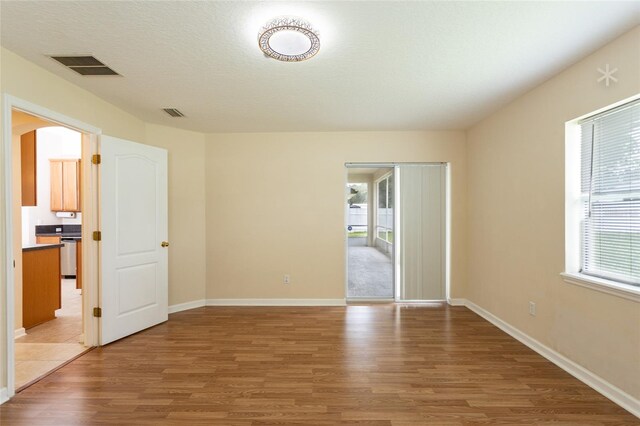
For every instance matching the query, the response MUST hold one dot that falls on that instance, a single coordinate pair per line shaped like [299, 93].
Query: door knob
[165, 244]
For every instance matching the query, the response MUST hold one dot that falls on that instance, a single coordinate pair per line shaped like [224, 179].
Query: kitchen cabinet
[41, 293]
[28, 168]
[47, 240]
[77, 259]
[65, 185]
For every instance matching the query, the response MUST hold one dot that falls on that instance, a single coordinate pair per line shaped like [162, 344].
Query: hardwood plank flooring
[396, 365]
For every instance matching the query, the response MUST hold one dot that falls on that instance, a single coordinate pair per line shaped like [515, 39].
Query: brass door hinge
[96, 159]
[97, 236]
[97, 312]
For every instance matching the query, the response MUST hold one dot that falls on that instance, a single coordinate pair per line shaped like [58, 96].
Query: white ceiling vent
[85, 65]
[173, 112]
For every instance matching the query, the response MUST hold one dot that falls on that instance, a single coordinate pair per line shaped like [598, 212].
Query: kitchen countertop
[32, 247]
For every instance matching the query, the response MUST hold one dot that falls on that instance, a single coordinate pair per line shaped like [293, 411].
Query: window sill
[625, 291]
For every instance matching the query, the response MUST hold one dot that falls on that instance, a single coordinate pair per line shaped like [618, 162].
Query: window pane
[382, 194]
[390, 186]
[611, 192]
[390, 236]
[357, 199]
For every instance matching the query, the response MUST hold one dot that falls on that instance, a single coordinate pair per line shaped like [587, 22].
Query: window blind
[423, 232]
[610, 186]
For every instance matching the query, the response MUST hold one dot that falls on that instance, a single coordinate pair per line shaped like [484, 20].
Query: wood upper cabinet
[70, 186]
[65, 185]
[56, 185]
[28, 168]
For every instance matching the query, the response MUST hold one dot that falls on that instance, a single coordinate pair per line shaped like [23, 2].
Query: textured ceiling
[381, 66]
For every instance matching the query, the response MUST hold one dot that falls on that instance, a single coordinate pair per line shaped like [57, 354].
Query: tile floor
[49, 345]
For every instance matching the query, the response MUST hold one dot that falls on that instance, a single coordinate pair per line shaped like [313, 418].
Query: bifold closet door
[422, 232]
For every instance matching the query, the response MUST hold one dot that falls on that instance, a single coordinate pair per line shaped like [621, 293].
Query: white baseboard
[19, 332]
[255, 302]
[596, 382]
[186, 306]
[4, 395]
[276, 302]
[456, 302]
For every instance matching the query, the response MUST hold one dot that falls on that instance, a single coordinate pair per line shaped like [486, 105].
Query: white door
[133, 215]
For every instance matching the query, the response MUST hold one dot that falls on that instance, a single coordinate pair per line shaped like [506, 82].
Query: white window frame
[573, 217]
[376, 206]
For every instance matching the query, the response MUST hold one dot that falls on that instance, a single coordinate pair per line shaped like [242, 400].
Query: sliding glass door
[396, 222]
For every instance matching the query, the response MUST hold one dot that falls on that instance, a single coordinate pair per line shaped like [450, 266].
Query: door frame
[397, 226]
[90, 221]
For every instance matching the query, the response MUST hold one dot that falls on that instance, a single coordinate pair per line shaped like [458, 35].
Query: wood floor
[367, 365]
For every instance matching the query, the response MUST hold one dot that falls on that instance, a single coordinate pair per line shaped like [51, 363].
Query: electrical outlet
[286, 279]
[532, 309]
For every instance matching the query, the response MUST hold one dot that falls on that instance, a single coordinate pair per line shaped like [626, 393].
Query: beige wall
[27, 81]
[275, 206]
[516, 220]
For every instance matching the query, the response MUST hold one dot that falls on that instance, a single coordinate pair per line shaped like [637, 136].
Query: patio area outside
[370, 231]
[370, 273]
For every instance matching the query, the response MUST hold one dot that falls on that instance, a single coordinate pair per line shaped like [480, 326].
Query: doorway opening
[122, 194]
[397, 232]
[42, 334]
[47, 246]
[370, 223]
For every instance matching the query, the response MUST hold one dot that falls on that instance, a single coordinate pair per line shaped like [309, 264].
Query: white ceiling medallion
[289, 39]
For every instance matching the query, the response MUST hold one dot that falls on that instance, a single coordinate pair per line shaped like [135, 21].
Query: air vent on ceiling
[173, 112]
[85, 65]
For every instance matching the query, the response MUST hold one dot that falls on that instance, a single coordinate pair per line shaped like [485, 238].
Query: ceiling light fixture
[289, 39]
